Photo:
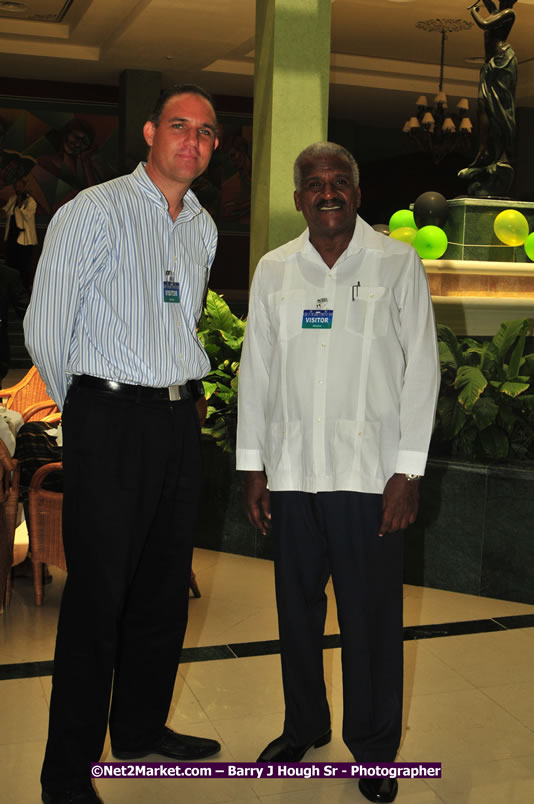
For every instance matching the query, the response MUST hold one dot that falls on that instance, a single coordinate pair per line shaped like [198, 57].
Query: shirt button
[318, 420]
[321, 382]
[323, 345]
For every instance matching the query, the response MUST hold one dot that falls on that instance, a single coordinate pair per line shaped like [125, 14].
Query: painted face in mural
[76, 142]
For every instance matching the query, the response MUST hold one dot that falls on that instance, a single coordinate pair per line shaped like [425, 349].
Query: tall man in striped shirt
[112, 329]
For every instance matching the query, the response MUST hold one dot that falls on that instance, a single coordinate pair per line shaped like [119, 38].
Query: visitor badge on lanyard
[318, 318]
[171, 290]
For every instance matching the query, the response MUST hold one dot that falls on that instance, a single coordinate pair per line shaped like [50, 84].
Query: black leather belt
[174, 393]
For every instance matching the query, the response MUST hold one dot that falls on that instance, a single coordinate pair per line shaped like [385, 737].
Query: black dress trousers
[336, 534]
[132, 481]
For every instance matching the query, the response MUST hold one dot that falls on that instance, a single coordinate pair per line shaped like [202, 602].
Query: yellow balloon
[511, 227]
[404, 233]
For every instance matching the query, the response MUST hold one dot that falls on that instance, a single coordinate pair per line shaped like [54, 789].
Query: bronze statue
[491, 172]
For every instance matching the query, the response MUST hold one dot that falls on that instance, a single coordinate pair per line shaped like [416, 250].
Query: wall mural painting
[58, 152]
[224, 189]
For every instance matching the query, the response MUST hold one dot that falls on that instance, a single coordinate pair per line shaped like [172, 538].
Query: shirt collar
[192, 206]
[364, 237]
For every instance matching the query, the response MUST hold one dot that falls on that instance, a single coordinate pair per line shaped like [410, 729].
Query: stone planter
[475, 530]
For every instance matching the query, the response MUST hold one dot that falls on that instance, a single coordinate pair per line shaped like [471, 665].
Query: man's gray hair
[319, 149]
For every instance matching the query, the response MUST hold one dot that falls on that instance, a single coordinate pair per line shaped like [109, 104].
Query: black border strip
[240, 650]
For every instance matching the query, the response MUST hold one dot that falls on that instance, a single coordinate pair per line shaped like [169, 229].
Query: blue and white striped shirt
[97, 302]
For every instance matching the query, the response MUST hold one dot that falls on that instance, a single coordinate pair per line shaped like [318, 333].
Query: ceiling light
[13, 8]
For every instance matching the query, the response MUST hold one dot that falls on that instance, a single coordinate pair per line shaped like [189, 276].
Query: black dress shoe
[379, 789]
[84, 796]
[281, 750]
[175, 746]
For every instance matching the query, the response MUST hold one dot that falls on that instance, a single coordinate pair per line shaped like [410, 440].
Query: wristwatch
[410, 476]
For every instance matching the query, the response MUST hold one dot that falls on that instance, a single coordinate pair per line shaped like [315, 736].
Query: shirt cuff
[249, 460]
[410, 463]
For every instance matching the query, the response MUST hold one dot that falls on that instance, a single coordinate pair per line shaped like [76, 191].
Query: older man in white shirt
[337, 391]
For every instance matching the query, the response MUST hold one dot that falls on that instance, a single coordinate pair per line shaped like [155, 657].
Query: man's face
[183, 142]
[328, 198]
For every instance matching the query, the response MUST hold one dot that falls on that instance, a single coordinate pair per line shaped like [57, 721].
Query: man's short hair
[177, 89]
[319, 149]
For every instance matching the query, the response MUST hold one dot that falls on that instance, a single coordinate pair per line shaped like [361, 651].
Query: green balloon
[404, 233]
[511, 227]
[430, 242]
[529, 246]
[403, 218]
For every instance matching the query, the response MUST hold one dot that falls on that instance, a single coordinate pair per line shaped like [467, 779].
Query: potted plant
[486, 405]
[221, 333]
[223, 524]
[473, 533]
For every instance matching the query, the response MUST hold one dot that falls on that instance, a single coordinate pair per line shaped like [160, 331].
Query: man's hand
[201, 405]
[257, 500]
[399, 504]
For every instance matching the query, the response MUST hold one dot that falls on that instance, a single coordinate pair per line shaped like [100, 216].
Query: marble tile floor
[469, 699]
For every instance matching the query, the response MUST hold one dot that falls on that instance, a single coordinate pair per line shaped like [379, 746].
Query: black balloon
[383, 228]
[430, 209]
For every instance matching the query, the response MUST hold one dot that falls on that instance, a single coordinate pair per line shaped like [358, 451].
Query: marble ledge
[478, 267]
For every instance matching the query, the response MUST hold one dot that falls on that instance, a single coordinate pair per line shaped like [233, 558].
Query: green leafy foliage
[484, 410]
[221, 333]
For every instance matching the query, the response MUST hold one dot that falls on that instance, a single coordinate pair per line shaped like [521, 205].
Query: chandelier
[434, 128]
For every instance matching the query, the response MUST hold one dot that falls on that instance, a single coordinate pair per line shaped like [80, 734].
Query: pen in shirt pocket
[355, 290]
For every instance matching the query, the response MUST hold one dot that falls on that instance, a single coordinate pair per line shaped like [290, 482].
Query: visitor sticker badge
[317, 319]
[171, 292]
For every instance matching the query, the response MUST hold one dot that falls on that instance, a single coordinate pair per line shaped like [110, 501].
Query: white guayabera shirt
[340, 407]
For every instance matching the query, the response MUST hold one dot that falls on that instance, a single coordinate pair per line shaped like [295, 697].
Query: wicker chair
[6, 548]
[9, 500]
[29, 397]
[44, 526]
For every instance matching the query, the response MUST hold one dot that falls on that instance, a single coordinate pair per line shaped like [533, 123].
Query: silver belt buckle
[174, 393]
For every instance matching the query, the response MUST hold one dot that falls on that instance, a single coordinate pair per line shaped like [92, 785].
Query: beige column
[290, 111]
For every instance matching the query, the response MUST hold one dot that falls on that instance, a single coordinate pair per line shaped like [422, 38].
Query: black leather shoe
[281, 750]
[379, 789]
[175, 746]
[85, 796]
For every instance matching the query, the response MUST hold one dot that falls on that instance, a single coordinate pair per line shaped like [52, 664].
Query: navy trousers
[336, 534]
[132, 480]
